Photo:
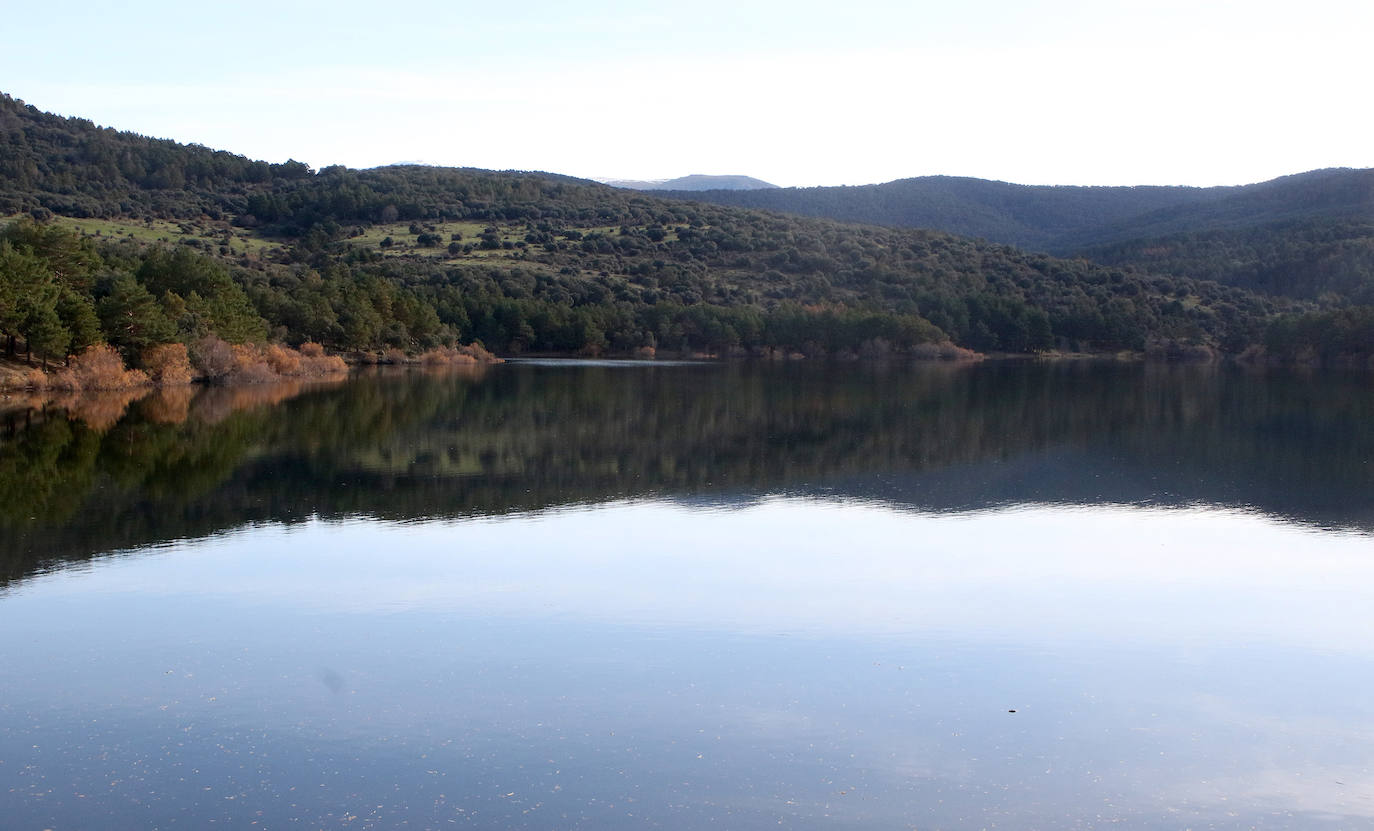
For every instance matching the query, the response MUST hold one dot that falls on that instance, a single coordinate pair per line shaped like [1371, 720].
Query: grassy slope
[207, 234]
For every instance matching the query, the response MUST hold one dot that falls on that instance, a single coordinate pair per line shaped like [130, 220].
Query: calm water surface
[587, 596]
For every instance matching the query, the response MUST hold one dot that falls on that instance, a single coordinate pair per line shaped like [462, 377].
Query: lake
[622, 596]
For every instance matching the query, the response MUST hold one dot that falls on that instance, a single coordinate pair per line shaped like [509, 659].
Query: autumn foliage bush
[248, 363]
[97, 368]
[282, 360]
[100, 367]
[323, 365]
[36, 379]
[944, 351]
[168, 364]
[470, 354]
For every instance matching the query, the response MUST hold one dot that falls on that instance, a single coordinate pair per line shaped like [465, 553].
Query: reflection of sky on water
[806, 566]
[796, 661]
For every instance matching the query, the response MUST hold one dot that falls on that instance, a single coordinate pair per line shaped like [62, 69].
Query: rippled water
[573, 596]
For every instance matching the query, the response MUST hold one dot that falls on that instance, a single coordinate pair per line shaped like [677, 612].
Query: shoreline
[19, 378]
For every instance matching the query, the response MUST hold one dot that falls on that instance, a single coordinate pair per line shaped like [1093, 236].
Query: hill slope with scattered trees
[192, 241]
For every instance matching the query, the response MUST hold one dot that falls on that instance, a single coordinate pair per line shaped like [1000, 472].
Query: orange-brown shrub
[944, 351]
[98, 368]
[323, 365]
[479, 353]
[445, 355]
[469, 354]
[36, 379]
[283, 360]
[250, 367]
[168, 364]
[252, 364]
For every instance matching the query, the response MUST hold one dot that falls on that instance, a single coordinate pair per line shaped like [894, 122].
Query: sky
[794, 92]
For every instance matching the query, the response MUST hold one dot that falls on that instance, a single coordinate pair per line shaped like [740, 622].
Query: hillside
[1022, 215]
[1315, 196]
[696, 181]
[1331, 261]
[409, 257]
[1305, 236]
[1064, 219]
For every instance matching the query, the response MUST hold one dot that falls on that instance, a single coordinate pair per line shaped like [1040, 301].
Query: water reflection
[795, 662]
[521, 438]
[610, 597]
[801, 566]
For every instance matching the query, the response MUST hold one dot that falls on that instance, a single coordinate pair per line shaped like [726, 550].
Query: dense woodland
[408, 258]
[1329, 260]
[1026, 216]
[1066, 220]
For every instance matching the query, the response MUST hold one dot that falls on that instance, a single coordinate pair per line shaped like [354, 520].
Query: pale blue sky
[798, 93]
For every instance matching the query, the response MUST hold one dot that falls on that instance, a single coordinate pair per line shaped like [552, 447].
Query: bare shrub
[875, 348]
[213, 358]
[310, 349]
[393, 356]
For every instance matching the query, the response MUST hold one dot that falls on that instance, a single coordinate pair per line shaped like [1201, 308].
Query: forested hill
[1026, 216]
[72, 167]
[1303, 236]
[197, 241]
[1064, 219]
[1318, 196]
[1331, 261]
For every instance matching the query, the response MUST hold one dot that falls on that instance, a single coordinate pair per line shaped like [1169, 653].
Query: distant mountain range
[694, 182]
[1064, 220]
